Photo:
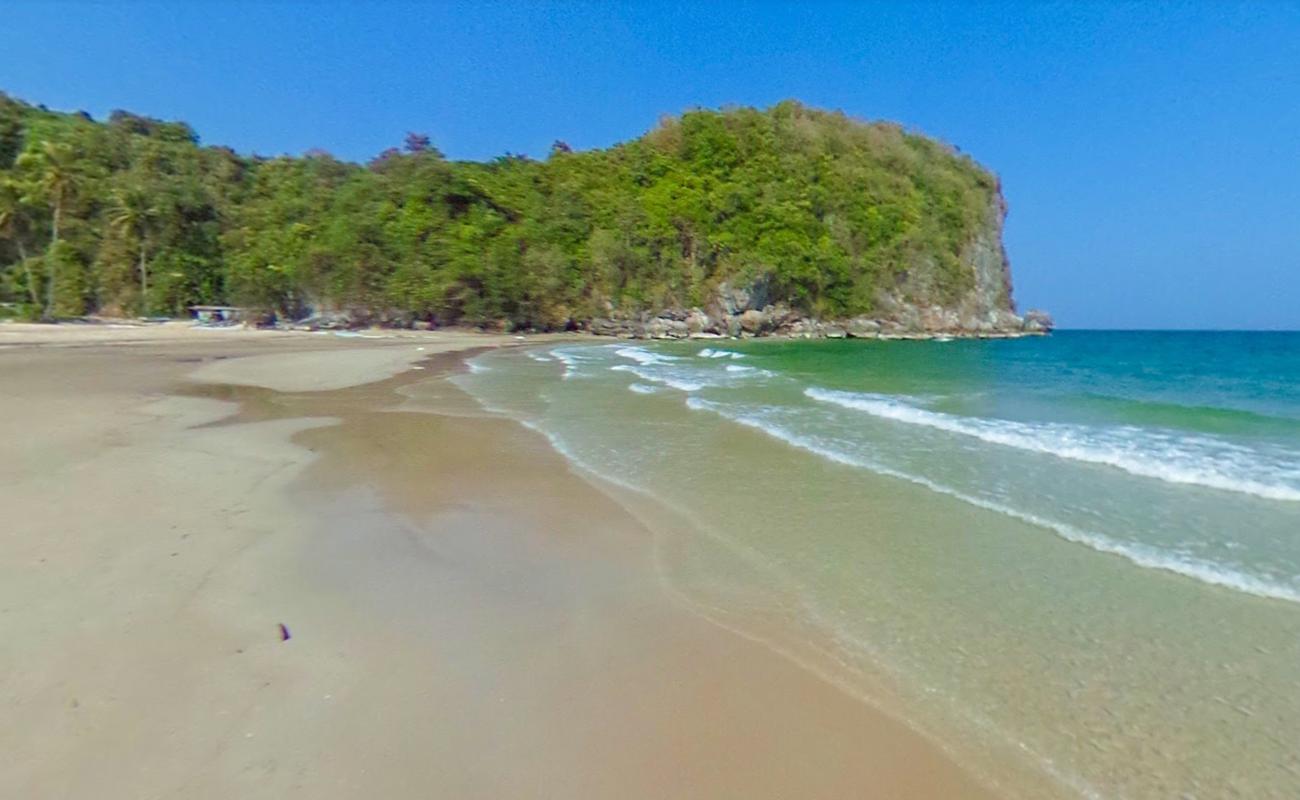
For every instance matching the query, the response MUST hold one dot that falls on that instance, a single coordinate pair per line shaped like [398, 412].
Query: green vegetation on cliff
[132, 216]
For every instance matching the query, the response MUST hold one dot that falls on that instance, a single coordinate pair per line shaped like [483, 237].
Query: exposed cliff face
[985, 308]
[985, 304]
[987, 259]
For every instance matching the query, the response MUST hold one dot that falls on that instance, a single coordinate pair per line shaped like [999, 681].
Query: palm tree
[13, 225]
[132, 215]
[57, 181]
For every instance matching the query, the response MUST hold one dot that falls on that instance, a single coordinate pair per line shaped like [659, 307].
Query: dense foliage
[132, 216]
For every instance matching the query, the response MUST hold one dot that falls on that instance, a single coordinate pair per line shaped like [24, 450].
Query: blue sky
[1150, 154]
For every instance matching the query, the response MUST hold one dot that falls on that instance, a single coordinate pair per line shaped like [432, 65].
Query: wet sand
[469, 618]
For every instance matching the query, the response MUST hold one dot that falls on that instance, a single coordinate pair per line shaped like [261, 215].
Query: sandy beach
[469, 617]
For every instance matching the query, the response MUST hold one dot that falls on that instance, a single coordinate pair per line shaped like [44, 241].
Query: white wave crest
[643, 356]
[569, 360]
[641, 388]
[667, 380]
[709, 352]
[1166, 457]
[1143, 556]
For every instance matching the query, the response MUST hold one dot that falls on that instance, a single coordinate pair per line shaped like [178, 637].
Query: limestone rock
[666, 327]
[1037, 321]
[753, 322]
[862, 328]
[698, 322]
[732, 300]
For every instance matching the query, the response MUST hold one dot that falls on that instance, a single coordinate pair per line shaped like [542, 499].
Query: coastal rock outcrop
[1037, 321]
[862, 328]
[969, 298]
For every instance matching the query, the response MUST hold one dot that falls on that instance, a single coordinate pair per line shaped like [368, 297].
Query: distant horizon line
[1063, 329]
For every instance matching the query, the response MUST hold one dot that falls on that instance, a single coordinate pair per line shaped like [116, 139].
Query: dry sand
[470, 619]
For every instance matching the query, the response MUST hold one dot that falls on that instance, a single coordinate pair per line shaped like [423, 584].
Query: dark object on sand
[284, 633]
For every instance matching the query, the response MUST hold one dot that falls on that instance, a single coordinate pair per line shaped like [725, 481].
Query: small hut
[218, 315]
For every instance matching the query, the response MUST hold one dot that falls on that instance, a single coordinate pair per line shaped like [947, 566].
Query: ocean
[1072, 561]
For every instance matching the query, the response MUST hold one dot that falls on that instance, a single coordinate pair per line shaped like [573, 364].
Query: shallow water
[1075, 561]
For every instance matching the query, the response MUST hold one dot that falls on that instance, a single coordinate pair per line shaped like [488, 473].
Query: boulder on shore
[753, 321]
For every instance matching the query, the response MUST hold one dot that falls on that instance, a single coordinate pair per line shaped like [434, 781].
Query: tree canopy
[133, 216]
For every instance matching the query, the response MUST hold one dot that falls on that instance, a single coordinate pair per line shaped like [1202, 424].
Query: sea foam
[1164, 456]
[643, 356]
[569, 359]
[709, 352]
[679, 384]
[1141, 555]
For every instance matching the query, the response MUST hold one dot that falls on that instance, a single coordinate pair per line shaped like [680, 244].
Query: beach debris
[327, 321]
[284, 633]
[359, 335]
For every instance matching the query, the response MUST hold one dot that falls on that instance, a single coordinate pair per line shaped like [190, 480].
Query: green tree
[134, 214]
[11, 130]
[15, 222]
[833, 216]
[58, 177]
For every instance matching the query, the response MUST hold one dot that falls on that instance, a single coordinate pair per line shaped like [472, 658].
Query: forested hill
[805, 213]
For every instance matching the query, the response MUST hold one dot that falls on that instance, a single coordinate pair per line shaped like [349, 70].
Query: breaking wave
[1195, 460]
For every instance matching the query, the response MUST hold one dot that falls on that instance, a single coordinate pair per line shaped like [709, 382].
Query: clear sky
[1150, 154]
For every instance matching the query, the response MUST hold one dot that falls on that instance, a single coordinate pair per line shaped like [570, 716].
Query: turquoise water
[1073, 561]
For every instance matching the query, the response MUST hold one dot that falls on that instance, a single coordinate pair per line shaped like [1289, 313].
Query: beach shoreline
[469, 617]
[133, 331]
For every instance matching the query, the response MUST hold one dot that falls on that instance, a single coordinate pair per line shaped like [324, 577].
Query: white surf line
[1150, 558]
[1063, 442]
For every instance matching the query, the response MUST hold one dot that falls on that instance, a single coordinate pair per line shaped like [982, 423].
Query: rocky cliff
[986, 309]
